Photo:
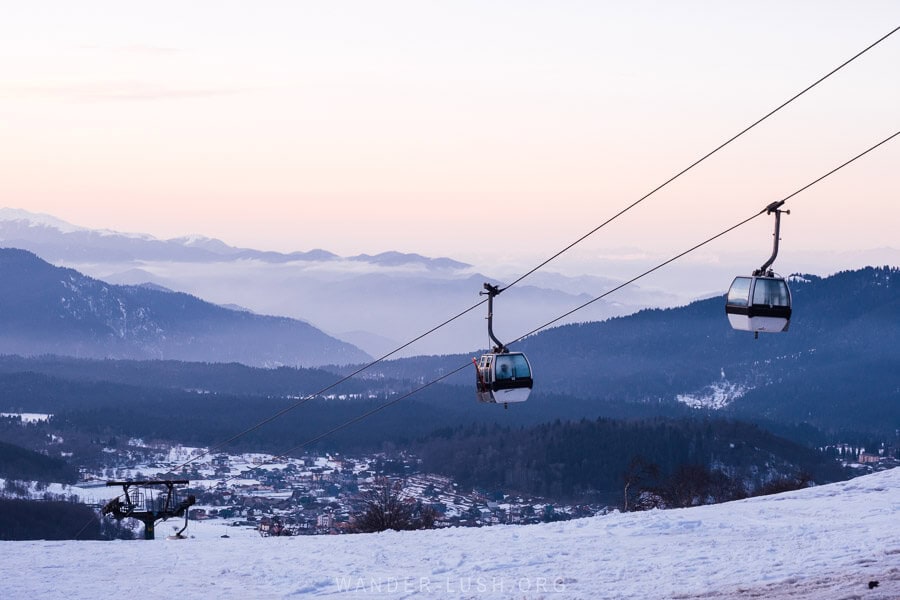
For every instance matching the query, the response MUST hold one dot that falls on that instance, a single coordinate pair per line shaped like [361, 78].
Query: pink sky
[465, 129]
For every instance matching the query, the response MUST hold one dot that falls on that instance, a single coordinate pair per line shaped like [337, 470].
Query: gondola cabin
[503, 378]
[759, 303]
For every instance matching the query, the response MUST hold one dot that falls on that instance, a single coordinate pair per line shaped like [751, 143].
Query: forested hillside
[55, 520]
[593, 459]
[832, 377]
[19, 463]
[832, 369]
[225, 378]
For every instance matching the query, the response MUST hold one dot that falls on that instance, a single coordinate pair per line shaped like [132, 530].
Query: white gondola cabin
[501, 376]
[759, 303]
[504, 377]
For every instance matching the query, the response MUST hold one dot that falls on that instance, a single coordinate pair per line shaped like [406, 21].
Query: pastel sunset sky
[483, 130]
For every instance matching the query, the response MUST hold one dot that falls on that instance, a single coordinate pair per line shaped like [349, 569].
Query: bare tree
[693, 485]
[687, 486]
[640, 472]
[385, 508]
[786, 484]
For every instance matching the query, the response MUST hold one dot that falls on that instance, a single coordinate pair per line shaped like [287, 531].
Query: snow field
[826, 543]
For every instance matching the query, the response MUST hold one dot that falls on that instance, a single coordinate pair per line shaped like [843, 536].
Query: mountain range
[833, 373]
[58, 241]
[52, 310]
[376, 302]
[835, 369]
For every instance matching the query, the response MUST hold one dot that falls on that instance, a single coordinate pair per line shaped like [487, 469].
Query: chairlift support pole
[775, 207]
[137, 507]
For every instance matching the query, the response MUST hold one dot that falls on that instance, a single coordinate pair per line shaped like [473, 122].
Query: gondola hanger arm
[493, 290]
[775, 206]
[775, 209]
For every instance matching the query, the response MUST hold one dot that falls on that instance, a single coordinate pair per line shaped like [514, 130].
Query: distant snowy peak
[56, 240]
[395, 259]
[17, 217]
[30, 219]
[206, 243]
[218, 247]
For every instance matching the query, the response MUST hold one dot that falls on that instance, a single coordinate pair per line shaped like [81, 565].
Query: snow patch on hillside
[26, 418]
[715, 396]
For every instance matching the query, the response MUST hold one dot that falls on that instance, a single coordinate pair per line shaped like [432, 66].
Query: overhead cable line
[707, 241]
[547, 261]
[704, 157]
[467, 365]
[327, 388]
[390, 403]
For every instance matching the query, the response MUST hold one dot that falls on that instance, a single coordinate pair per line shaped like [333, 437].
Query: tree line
[592, 460]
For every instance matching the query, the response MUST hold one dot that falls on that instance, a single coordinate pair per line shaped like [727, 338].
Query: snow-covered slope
[830, 542]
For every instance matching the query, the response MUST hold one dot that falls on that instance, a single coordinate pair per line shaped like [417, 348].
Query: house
[324, 521]
[866, 458]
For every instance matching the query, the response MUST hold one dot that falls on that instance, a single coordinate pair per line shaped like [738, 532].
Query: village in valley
[318, 494]
[314, 494]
